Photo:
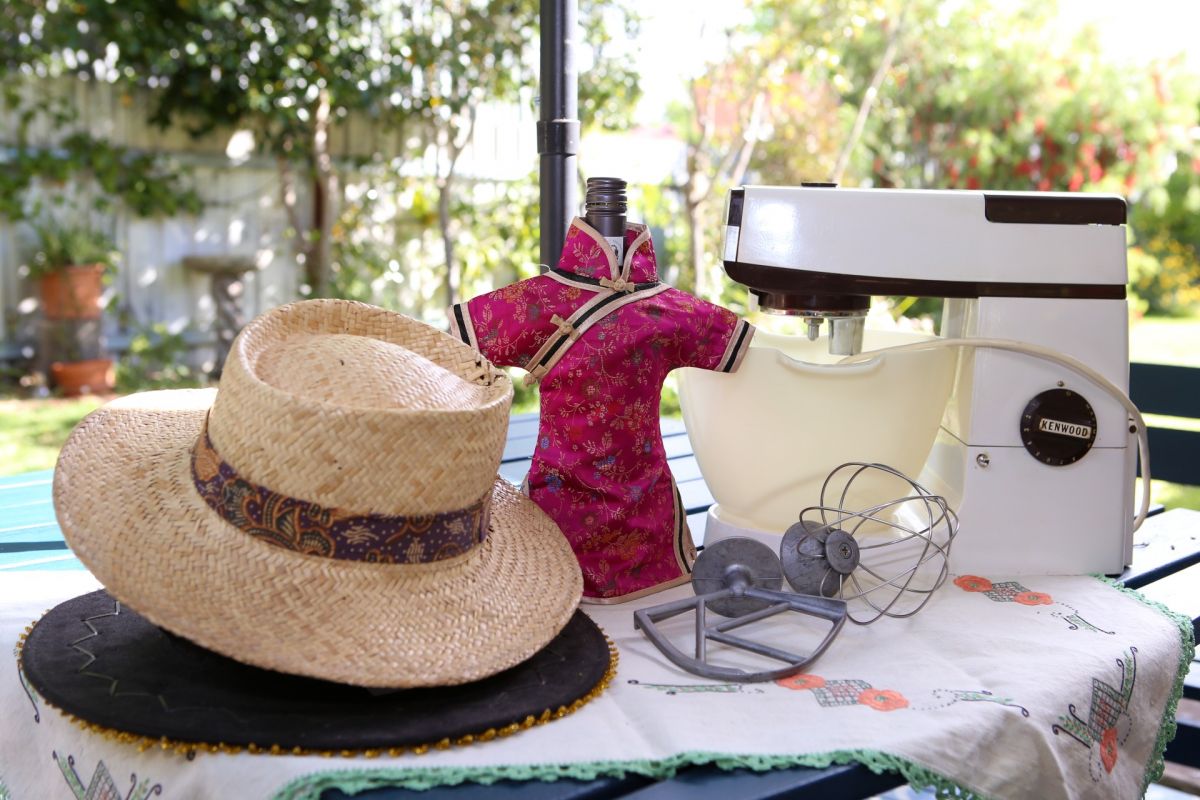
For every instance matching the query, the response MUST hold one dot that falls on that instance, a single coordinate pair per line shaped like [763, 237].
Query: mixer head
[811, 295]
[847, 315]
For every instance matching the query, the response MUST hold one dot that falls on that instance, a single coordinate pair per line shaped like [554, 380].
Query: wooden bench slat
[1172, 548]
[1165, 389]
[713, 783]
[1174, 455]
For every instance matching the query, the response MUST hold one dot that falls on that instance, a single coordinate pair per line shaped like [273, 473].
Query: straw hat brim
[127, 505]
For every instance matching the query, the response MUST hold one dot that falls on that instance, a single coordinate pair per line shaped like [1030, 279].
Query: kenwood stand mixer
[1016, 412]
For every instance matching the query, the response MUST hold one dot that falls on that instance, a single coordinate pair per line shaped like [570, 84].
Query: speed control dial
[1058, 427]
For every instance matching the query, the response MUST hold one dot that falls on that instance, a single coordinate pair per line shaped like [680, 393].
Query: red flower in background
[972, 583]
[1033, 599]
[882, 699]
[802, 681]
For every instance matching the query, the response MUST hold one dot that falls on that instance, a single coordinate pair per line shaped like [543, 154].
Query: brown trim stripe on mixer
[785, 281]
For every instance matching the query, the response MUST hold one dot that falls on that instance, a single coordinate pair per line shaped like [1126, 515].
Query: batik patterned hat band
[317, 530]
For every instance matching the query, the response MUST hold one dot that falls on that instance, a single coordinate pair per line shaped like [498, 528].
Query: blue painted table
[1166, 566]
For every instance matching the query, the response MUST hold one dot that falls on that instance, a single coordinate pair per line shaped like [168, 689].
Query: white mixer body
[1019, 515]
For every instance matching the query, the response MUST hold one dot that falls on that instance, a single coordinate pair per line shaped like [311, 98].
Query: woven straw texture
[331, 402]
[336, 446]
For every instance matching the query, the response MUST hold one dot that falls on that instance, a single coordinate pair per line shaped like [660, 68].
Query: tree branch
[868, 100]
[750, 140]
[327, 185]
[287, 196]
[454, 149]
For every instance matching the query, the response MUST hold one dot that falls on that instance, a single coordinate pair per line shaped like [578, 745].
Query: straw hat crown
[350, 407]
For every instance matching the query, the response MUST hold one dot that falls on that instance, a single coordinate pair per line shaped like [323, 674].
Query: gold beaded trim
[189, 749]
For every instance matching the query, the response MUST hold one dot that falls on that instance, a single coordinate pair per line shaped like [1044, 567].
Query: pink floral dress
[601, 338]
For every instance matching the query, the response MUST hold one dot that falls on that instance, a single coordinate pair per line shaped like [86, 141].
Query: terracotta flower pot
[72, 292]
[94, 376]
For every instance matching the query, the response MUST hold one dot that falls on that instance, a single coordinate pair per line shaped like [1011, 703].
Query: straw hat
[326, 513]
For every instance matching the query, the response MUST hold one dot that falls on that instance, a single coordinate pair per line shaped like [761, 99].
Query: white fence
[244, 213]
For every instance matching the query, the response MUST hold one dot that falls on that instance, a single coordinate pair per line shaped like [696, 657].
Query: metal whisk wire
[940, 526]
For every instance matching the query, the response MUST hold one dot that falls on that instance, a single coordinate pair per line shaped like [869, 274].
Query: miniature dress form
[600, 338]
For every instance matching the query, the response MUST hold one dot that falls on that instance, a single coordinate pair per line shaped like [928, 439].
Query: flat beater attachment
[740, 579]
[732, 563]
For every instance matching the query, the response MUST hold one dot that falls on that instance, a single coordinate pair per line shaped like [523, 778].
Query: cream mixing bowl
[768, 435]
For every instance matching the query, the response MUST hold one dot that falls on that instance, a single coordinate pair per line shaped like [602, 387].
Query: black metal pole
[558, 128]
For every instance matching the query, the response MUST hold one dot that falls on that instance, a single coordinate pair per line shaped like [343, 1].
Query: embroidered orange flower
[972, 583]
[802, 681]
[882, 699]
[1108, 749]
[1033, 599]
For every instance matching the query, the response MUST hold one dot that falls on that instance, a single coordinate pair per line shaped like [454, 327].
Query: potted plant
[71, 371]
[69, 265]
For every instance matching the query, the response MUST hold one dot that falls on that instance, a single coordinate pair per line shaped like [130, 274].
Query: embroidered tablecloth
[1056, 687]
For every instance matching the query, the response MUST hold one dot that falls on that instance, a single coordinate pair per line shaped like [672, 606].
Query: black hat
[103, 663]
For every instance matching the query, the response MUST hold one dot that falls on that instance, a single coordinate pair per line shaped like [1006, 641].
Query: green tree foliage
[967, 95]
[287, 71]
[769, 107]
[466, 53]
[1165, 261]
[98, 173]
[260, 64]
[292, 71]
[610, 90]
[390, 221]
[982, 96]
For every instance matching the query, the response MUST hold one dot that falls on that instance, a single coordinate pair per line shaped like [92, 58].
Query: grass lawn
[33, 431]
[1165, 340]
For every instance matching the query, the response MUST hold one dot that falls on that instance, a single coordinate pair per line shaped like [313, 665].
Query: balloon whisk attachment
[885, 558]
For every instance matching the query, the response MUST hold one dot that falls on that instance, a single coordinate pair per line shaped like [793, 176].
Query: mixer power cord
[1057, 357]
